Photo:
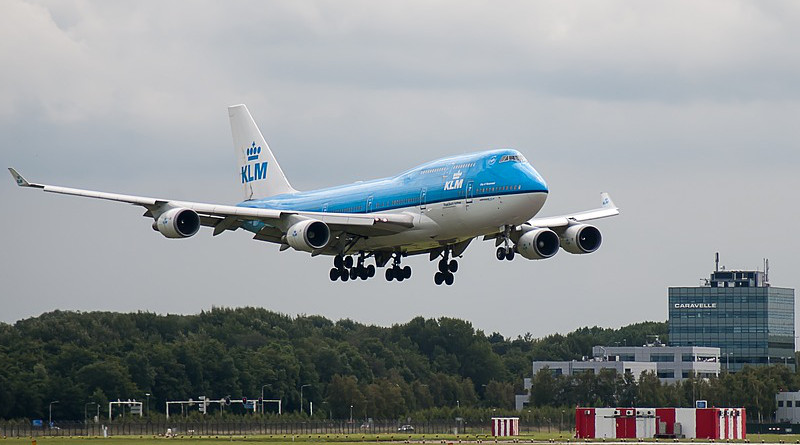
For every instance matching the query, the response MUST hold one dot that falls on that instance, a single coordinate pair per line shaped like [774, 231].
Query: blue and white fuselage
[452, 199]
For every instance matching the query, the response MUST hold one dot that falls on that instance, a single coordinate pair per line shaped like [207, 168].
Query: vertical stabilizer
[259, 172]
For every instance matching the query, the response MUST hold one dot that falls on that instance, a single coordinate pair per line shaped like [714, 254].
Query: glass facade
[751, 325]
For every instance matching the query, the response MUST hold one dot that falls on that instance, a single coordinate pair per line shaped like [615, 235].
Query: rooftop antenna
[716, 261]
[766, 270]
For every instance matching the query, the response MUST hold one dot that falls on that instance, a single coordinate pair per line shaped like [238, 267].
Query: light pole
[50, 416]
[262, 396]
[86, 411]
[351, 413]
[301, 396]
[148, 403]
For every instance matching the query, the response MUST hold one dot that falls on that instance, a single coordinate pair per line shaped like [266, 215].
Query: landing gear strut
[344, 270]
[447, 268]
[505, 252]
[396, 272]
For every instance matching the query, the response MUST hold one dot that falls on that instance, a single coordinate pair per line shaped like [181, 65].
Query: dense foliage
[420, 366]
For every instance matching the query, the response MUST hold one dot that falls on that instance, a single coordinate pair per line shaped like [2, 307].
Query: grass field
[353, 438]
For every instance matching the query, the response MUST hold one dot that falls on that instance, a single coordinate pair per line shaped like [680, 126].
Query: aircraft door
[369, 204]
[422, 198]
[470, 191]
[325, 208]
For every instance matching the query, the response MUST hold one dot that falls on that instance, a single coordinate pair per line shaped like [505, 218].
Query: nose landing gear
[505, 252]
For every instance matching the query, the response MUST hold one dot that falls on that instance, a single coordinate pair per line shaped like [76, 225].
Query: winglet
[18, 177]
[607, 203]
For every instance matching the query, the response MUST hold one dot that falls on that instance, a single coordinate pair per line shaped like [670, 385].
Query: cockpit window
[512, 158]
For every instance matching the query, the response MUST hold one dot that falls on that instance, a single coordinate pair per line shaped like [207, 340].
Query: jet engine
[178, 223]
[308, 235]
[538, 244]
[581, 238]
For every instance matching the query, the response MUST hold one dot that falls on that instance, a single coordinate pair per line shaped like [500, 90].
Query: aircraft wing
[606, 210]
[228, 217]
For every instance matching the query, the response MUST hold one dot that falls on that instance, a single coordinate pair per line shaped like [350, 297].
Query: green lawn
[334, 439]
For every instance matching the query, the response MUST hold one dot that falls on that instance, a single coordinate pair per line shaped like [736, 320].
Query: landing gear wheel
[344, 275]
[453, 266]
[363, 273]
[348, 262]
[334, 274]
[353, 273]
[448, 279]
[501, 253]
[337, 261]
[370, 271]
[407, 272]
[510, 254]
[443, 265]
[389, 274]
[399, 274]
[438, 278]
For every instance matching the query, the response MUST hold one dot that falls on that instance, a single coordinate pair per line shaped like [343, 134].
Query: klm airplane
[436, 208]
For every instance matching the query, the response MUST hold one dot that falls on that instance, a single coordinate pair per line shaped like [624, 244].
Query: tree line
[425, 367]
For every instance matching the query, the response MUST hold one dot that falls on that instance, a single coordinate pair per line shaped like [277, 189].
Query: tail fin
[259, 172]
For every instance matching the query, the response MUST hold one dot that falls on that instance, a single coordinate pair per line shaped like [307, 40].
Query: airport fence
[256, 427]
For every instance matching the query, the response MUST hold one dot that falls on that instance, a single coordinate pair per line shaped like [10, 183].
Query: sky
[685, 111]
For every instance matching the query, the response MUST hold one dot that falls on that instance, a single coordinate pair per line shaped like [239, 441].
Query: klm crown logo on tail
[255, 171]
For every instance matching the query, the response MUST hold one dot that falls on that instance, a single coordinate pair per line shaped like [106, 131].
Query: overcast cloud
[686, 111]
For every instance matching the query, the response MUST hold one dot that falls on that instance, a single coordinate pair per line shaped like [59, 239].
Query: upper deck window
[512, 158]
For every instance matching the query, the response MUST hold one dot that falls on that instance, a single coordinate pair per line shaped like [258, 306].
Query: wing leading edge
[607, 209]
[228, 217]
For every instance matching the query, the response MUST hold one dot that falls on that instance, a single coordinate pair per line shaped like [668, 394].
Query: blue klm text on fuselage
[256, 171]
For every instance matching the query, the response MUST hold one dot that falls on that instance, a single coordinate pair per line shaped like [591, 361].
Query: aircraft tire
[337, 261]
[438, 278]
[443, 265]
[345, 276]
[510, 254]
[348, 262]
[353, 273]
[370, 271]
[334, 274]
[501, 253]
[389, 274]
[453, 266]
[448, 279]
[407, 272]
[363, 273]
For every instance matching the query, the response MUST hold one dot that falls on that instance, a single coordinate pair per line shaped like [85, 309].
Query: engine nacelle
[581, 238]
[178, 223]
[538, 244]
[308, 235]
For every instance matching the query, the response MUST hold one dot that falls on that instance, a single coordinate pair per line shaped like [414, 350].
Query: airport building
[673, 363]
[737, 311]
[788, 407]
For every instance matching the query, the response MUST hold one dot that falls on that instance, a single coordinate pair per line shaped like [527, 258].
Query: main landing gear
[447, 268]
[343, 268]
[396, 272]
[505, 252]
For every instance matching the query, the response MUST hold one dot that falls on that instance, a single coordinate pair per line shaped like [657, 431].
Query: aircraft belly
[445, 222]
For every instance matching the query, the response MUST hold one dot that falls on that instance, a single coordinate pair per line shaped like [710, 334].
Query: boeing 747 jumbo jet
[436, 208]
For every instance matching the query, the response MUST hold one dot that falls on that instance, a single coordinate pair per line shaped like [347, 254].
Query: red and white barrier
[629, 423]
[505, 426]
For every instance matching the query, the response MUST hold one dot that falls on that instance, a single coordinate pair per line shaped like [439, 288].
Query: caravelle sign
[695, 305]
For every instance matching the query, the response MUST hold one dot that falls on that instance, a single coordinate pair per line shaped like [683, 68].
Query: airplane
[436, 208]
